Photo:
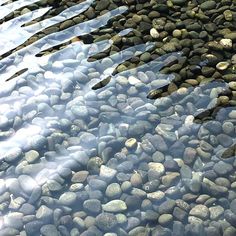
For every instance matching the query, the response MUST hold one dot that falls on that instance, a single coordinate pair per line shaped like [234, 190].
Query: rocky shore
[121, 132]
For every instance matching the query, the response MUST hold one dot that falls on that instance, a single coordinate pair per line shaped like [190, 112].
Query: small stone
[208, 5]
[216, 212]
[49, 230]
[226, 43]
[136, 180]
[170, 179]
[228, 127]
[154, 33]
[165, 219]
[102, 5]
[67, 198]
[223, 65]
[221, 168]
[92, 205]
[231, 36]
[31, 156]
[131, 143]
[113, 190]
[107, 173]
[115, 206]
[156, 196]
[177, 33]
[200, 211]
[228, 15]
[44, 213]
[157, 167]
[106, 221]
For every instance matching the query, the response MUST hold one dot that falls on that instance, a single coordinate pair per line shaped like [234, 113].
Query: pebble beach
[117, 118]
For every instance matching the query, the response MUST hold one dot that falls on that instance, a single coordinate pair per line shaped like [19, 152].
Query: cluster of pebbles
[111, 161]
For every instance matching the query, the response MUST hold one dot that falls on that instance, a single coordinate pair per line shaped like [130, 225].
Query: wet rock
[200, 211]
[49, 230]
[115, 206]
[106, 221]
[67, 198]
[113, 190]
[222, 168]
[92, 205]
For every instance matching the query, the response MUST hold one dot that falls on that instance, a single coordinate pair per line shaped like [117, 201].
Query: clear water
[85, 150]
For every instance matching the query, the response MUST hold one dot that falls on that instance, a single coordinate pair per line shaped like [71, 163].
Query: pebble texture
[123, 125]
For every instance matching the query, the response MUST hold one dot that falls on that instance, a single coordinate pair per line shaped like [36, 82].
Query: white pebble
[154, 33]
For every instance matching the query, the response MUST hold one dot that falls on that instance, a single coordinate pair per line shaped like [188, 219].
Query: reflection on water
[83, 161]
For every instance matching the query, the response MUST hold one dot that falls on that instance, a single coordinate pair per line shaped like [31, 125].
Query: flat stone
[115, 206]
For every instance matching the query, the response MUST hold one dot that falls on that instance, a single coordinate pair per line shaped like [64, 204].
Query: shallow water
[88, 148]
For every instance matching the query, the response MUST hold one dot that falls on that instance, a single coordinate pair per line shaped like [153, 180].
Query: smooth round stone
[80, 111]
[216, 212]
[115, 206]
[131, 143]
[80, 177]
[232, 85]
[106, 221]
[232, 114]
[170, 179]
[67, 198]
[226, 43]
[154, 33]
[222, 168]
[228, 127]
[92, 205]
[200, 211]
[157, 167]
[156, 196]
[228, 15]
[31, 156]
[223, 182]
[107, 173]
[177, 33]
[49, 230]
[136, 180]
[223, 65]
[208, 5]
[113, 190]
[165, 219]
